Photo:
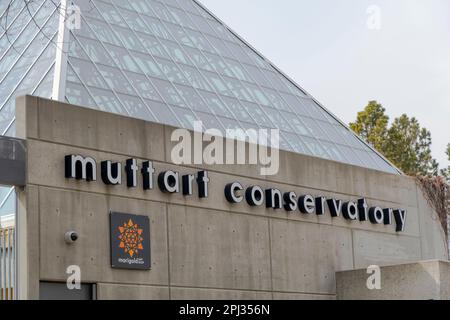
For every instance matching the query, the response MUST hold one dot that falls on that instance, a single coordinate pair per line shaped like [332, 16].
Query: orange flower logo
[130, 238]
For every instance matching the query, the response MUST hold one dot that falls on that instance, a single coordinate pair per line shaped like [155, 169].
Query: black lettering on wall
[306, 204]
[147, 174]
[350, 210]
[274, 199]
[400, 218]
[188, 184]
[80, 168]
[388, 212]
[231, 190]
[254, 196]
[203, 180]
[320, 205]
[111, 172]
[168, 182]
[376, 215]
[335, 207]
[290, 201]
[131, 169]
[363, 210]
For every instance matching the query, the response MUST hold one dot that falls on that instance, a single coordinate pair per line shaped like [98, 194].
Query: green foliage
[372, 124]
[405, 143]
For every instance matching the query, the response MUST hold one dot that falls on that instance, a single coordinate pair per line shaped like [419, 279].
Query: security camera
[71, 237]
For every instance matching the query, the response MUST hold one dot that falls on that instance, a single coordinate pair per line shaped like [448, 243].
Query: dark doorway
[59, 291]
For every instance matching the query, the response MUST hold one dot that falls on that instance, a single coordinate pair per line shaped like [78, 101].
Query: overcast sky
[328, 48]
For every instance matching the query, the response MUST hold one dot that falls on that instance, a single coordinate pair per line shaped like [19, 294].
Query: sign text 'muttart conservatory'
[85, 168]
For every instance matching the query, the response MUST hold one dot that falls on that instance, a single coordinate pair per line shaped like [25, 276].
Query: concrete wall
[426, 280]
[201, 248]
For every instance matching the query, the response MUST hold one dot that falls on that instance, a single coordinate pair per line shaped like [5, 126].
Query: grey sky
[327, 48]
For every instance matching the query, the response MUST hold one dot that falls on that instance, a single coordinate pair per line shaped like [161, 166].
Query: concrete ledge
[426, 280]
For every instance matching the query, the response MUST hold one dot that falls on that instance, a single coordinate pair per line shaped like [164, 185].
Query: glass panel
[87, 72]
[274, 79]
[77, 94]
[186, 117]
[239, 112]
[312, 108]
[276, 101]
[210, 122]
[315, 146]
[192, 98]
[297, 124]
[202, 24]
[314, 128]
[96, 29]
[11, 131]
[296, 142]
[257, 114]
[45, 88]
[162, 12]
[179, 34]
[335, 152]
[107, 101]
[129, 39]
[109, 13]
[198, 58]
[163, 113]
[143, 85]
[8, 201]
[217, 82]
[147, 65]
[7, 114]
[199, 41]
[156, 28]
[297, 105]
[152, 45]
[219, 65]
[132, 18]
[277, 119]
[229, 123]
[221, 46]
[215, 103]
[136, 107]
[181, 17]
[351, 156]
[176, 52]
[171, 71]
[238, 70]
[115, 80]
[365, 158]
[94, 51]
[141, 6]
[195, 78]
[168, 92]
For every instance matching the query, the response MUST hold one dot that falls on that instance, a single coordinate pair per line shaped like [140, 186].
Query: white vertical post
[62, 47]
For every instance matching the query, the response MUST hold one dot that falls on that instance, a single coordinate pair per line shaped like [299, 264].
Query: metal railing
[7, 263]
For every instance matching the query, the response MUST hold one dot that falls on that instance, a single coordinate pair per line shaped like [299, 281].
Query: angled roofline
[298, 86]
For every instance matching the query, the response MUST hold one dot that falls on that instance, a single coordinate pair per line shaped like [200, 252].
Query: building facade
[201, 247]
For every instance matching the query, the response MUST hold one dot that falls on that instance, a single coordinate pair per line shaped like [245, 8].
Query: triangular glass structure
[168, 61]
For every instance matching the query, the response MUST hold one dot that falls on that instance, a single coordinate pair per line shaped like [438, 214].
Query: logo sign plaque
[130, 241]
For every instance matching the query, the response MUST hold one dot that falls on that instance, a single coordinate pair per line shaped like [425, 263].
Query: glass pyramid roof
[168, 61]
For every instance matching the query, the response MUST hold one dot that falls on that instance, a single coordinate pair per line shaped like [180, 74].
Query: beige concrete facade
[201, 248]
